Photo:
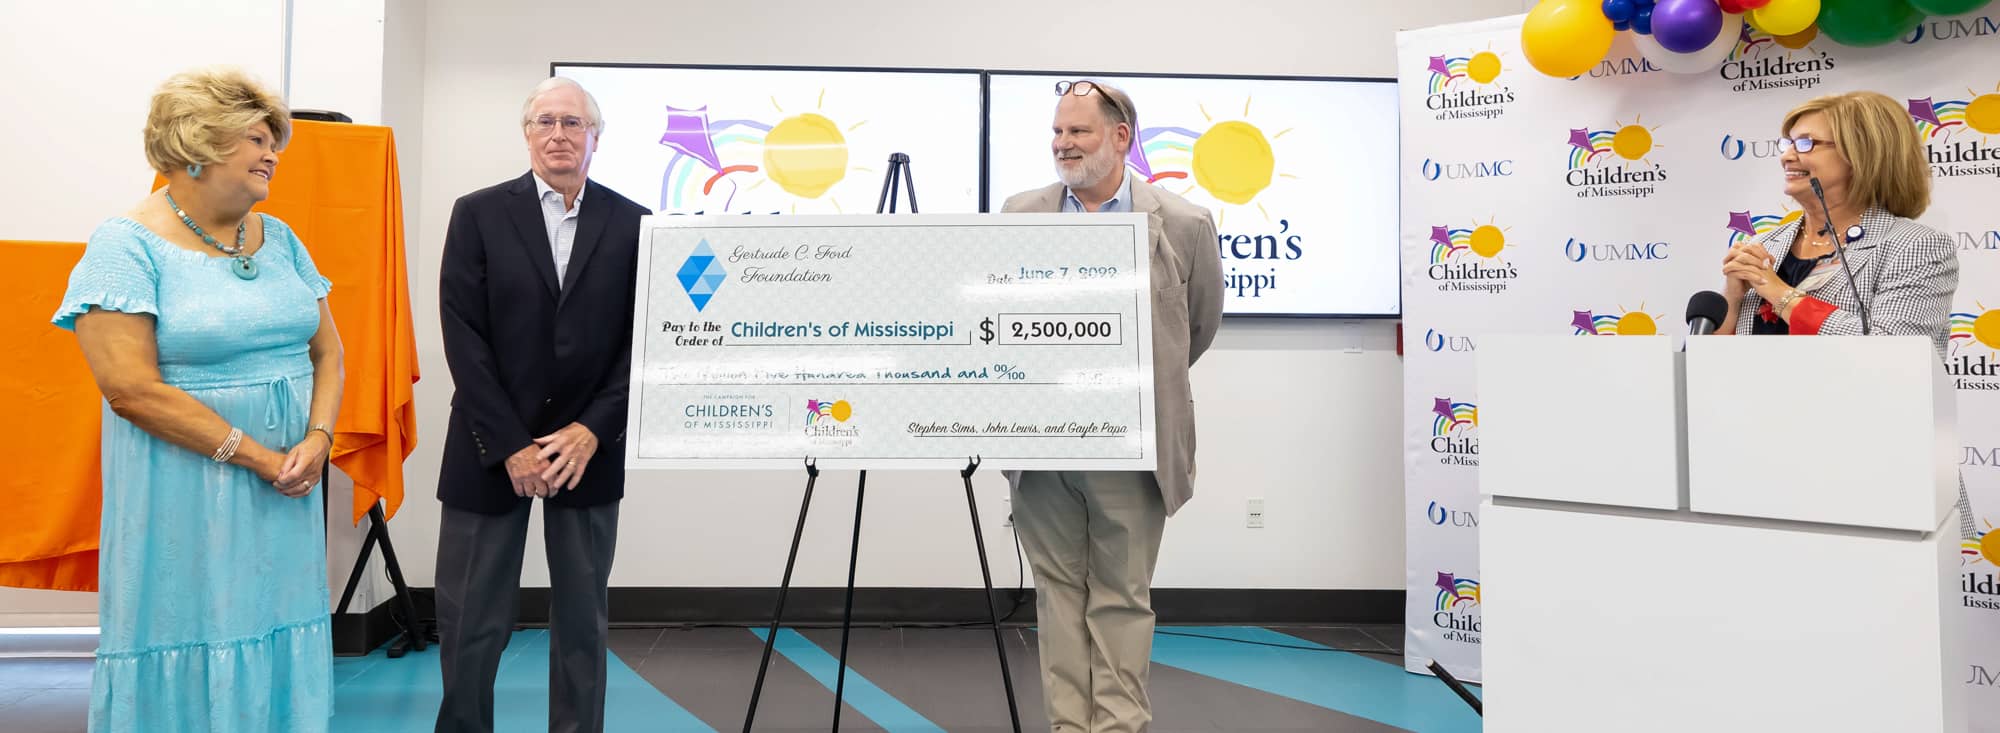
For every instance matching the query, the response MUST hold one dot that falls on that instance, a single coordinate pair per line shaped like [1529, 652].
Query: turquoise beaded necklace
[245, 267]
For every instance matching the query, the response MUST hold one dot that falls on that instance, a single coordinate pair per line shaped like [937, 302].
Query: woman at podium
[1860, 176]
[206, 328]
[1856, 262]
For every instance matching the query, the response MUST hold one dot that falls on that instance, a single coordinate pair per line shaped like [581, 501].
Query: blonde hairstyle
[561, 82]
[199, 117]
[1880, 142]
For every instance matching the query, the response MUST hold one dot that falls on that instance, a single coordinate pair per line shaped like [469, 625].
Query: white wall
[1300, 413]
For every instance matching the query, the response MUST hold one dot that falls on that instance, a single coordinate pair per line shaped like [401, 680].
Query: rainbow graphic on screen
[804, 154]
[1980, 326]
[1455, 592]
[1626, 323]
[1977, 112]
[1630, 142]
[1483, 240]
[818, 411]
[1753, 42]
[1232, 160]
[1481, 67]
[1449, 416]
[1743, 226]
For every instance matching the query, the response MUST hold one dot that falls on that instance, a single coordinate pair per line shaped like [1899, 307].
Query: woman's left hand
[303, 464]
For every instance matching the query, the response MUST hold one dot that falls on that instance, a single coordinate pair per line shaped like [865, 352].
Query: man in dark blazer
[535, 295]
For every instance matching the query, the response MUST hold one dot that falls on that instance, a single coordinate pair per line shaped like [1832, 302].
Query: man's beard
[1096, 167]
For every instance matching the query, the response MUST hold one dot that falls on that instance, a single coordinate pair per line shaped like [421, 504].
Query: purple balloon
[1686, 26]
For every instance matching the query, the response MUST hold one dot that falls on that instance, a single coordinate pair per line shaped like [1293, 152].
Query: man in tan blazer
[1093, 537]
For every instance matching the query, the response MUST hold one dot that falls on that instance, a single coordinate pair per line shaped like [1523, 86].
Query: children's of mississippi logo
[1463, 87]
[1468, 258]
[1762, 61]
[1457, 608]
[1973, 347]
[1625, 323]
[1455, 432]
[1229, 163]
[1612, 162]
[1960, 131]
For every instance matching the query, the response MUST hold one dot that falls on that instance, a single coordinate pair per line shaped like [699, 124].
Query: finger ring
[572, 462]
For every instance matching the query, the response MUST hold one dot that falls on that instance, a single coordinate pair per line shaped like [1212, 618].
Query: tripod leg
[885, 201]
[847, 614]
[360, 569]
[413, 632]
[907, 183]
[784, 588]
[992, 614]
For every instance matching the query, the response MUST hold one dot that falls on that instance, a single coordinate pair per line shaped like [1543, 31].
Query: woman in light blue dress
[206, 328]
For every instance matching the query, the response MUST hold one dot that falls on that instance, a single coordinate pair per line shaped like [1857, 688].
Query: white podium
[1757, 535]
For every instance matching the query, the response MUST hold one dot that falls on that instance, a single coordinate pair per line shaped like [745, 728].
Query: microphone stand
[1840, 249]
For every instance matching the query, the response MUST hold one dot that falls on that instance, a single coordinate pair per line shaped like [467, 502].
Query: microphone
[1840, 247]
[1705, 312]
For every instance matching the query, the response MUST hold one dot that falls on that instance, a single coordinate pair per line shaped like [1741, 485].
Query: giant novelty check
[893, 341]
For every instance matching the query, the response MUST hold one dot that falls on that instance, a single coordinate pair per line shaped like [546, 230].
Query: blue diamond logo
[700, 275]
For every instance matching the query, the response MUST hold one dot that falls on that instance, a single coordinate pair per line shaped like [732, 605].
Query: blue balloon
[1621, 25]
[1642, 21]
[1620, 11]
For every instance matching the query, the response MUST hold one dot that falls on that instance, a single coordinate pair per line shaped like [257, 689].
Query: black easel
[415, 634]
[898, 162]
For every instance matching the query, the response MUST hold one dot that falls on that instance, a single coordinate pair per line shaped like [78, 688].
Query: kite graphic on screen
[804, 154]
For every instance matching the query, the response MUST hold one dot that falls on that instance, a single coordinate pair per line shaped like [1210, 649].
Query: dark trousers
[478, 594]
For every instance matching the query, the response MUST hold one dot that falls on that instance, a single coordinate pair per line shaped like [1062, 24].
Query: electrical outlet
[1254, 514]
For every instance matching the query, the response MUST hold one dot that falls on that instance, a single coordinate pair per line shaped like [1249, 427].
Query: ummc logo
[1577, 250]
[1437, 342]
[1621, 66]
[1433, 170]
[1734, 148]
[1440, 515]
[1950, 29]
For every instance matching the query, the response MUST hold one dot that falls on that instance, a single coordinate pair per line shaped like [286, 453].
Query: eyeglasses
[1801, 144]
[1087, 88]
[546, 124]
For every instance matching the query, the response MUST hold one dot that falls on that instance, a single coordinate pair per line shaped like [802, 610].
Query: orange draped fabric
[49, 419]
[339, 189]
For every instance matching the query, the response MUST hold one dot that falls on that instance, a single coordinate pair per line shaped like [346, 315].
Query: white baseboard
[39, 620]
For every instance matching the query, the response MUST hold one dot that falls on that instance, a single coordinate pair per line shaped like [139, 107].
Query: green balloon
[1947, 7]
[1862, 23]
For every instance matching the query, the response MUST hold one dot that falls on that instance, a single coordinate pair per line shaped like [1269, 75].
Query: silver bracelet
[227, 450]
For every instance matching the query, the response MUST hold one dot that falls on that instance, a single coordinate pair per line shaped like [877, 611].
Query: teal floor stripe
[376, 694]
[881, 707]
[1339, 681]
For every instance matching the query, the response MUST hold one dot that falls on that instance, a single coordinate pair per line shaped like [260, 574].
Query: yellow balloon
[1565, 38]
[1785, 17]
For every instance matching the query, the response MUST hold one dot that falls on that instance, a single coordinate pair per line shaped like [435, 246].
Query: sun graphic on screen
[803, 154]
[1233, 160]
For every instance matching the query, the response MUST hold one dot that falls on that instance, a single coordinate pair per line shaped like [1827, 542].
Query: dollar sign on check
[986, 331]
